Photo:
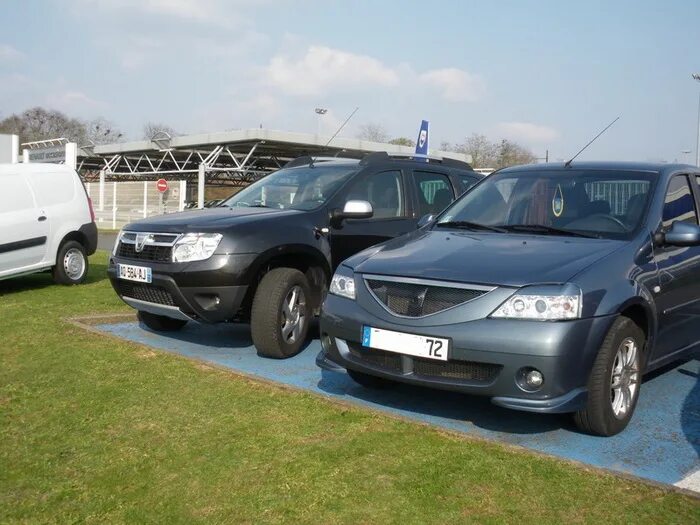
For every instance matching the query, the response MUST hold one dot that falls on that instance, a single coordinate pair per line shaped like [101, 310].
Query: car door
[385, 190]
[678, 300]
[433, 192]
[23, 229]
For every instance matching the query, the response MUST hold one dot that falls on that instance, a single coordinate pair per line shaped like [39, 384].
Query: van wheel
[160, 323]
[369, 381]
[280, 315]
[613, 387]
[71, 264]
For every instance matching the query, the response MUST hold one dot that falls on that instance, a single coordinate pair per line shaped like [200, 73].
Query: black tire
[160, 323]
[598, 417]
[369, 381]
[270, 325]
[72, 264]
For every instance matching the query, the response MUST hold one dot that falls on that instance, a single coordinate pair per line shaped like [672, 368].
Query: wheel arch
[308, 260]
[643, 314]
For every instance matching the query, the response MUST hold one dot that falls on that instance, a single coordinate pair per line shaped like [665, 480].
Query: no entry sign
[162, 185]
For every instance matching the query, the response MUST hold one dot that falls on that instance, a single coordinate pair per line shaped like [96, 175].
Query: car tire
[370, 381]
[160, 323]
[71, 264]
[609, 408]
[281, 313]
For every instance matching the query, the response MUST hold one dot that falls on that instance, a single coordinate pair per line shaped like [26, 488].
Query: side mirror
[425, 220]
[354, 210]
[683, 234]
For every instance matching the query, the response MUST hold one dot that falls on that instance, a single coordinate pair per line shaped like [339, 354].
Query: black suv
[266, 255]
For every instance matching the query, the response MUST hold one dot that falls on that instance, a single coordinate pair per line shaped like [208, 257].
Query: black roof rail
[305, 160]
[383, 156]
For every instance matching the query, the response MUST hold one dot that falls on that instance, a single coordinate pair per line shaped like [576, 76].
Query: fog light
[534, 378]
[529, 379]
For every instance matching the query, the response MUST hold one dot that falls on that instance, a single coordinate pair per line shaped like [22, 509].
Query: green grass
[97, 430]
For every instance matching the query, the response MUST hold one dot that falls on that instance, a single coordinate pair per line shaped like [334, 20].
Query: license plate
[408, 344]
[141, 274]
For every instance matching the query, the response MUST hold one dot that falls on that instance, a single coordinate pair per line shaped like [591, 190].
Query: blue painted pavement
[662, 442]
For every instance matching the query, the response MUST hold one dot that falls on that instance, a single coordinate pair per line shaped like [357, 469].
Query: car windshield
[589, 203]
[302, 188]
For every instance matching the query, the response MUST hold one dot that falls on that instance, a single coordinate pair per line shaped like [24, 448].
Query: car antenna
[567, 164]
[313, 159]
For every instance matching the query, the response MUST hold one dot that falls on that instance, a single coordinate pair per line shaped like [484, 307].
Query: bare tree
[102, 131]
[150, 129]
[510, 153]
[403, 141]
[482, 150]
[40, 124]
[373, 133]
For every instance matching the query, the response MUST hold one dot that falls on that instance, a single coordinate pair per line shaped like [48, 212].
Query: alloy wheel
[624, 379]
[293, 314]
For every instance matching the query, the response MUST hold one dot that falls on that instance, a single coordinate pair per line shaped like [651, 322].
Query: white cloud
[527, 132]
[455, 85]
[323, 68]
[9, 53]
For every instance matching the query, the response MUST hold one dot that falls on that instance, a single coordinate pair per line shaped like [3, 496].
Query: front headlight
[542, 303]
[195, 246]
[116, 242]
[343, 283]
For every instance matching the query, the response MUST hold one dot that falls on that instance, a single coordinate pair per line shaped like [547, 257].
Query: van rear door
[23, 232]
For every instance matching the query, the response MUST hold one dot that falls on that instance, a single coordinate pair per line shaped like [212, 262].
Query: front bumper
[209, 291]
[485, 355]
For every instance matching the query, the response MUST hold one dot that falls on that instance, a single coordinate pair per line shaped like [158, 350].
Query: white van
[46, 222]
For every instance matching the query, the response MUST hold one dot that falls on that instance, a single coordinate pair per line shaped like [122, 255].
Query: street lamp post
[320, 112]
[697, 147]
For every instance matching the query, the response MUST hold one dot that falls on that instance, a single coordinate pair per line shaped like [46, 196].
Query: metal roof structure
[227, 158]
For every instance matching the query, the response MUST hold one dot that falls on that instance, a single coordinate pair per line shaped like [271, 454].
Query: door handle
[42, 218]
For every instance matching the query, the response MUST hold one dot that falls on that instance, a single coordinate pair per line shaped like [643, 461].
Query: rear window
[14, 194]
[53, 188]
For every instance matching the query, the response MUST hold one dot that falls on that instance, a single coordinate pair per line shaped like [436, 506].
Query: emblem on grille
[141, 240]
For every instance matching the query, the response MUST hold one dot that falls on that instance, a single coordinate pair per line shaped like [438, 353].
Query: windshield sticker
[558, 202]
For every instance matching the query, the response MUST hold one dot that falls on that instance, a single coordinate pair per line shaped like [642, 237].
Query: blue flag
[422, 142]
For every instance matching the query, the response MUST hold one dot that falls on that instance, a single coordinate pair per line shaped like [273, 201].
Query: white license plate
[141, 274]
[408, 344]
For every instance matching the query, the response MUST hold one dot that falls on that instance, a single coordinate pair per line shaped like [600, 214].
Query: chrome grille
[145, 246]
[148, 253]
[419, 298]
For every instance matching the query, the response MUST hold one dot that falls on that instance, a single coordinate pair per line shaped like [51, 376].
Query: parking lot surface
[662, 443]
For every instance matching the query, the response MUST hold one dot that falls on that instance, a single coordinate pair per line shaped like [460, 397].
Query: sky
[547, 74]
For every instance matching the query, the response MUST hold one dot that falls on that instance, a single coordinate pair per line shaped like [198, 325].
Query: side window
[679, 204]
[384, 191]
[15, 194]
[467, 182]
[434, 192]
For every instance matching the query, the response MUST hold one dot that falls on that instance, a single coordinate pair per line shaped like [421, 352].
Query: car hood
[484, 258]
[208, 219]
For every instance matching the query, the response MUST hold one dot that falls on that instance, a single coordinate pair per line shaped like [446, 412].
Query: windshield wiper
[550, 230]
[471, 226]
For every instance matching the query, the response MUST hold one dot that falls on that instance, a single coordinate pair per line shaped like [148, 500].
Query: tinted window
[384, 191]
[606, 204]
[467, 182]
[302, 188]
[434, 192]
[14, 194]
[679, 204]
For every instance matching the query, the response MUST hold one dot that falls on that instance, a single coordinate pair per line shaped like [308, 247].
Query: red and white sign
[162, 185]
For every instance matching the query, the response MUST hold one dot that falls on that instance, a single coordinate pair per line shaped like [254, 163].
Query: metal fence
[118, 203]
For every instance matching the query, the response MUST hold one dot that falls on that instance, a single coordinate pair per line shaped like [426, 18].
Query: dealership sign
[50, 154]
